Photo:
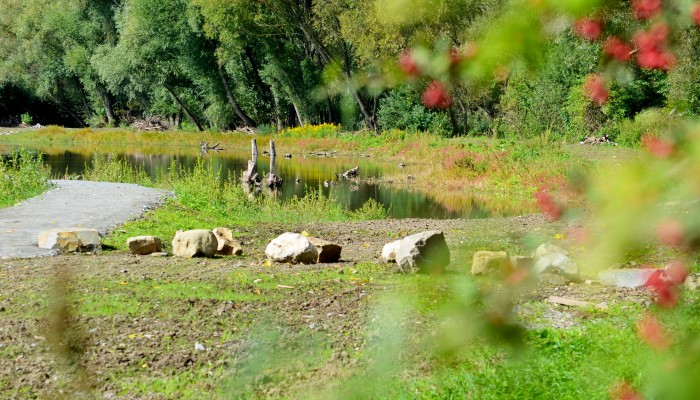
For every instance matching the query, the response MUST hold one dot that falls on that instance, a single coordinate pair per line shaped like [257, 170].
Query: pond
[301, 173]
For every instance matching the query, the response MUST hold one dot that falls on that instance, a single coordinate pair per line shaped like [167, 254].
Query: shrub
[26, 119]
[402, 109]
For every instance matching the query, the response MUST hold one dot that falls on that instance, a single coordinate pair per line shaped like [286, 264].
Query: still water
[311, 171]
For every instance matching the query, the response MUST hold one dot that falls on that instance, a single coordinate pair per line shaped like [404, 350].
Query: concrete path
[98, 205]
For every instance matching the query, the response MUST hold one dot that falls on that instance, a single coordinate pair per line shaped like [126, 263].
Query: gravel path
[98, 205]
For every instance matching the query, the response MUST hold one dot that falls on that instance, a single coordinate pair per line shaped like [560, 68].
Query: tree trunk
[184, 107]
[278, 111]
[107, 102]
[247, 121]
[297, 110]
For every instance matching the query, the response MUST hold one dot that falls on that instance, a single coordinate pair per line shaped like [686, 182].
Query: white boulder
[292, 248]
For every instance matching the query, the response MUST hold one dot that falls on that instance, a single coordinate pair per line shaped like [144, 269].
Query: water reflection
[300, 174]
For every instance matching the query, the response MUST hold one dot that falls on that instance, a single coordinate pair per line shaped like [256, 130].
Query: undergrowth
[22, 175]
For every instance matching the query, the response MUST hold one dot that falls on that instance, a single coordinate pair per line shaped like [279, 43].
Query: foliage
[22, 175]
[402, 109]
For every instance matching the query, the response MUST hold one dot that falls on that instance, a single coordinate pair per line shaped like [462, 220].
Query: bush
[26, 119]
[652, 121]
[23, 175]
[402, 109]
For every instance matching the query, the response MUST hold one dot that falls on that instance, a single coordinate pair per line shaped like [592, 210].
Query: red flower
[588, 28]
[595, 89]
[624, 391]
[548, 206]
[654, 38]
[436, 96]
[650, 330]
[408, 64]
[617, 49]
[695, 14]
[670, 232]
[645, 9]
[654, 59]
[660, 148]
[652, 48]
[665, 282]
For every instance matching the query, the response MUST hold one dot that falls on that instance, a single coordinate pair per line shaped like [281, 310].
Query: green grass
[22, 176]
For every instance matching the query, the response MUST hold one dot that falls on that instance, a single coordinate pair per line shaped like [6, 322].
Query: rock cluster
[81, 240]
[545, 261]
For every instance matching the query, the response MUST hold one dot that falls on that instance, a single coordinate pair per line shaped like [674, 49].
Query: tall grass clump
[22, 175]
[111, 168]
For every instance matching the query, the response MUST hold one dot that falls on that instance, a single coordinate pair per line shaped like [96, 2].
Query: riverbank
[499, 175]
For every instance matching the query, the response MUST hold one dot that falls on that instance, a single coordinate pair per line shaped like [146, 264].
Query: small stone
[389, 251]
[199, 347]
[626, 278]
[159, 254]
[292, 248]
[328, 252]
[144, 245]
[484, 262]
[226, 244]
[194, 243]
[71, 240]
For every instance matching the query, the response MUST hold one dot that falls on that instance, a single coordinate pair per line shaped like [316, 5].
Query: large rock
[71, 240]
[626, 278]
[328, 252]
[484, 262]
[389, 251]
[194, 243]
[423, 252]
[557, 263]
[546, 249]
[292, 248]
[226, 244]
[144, 245]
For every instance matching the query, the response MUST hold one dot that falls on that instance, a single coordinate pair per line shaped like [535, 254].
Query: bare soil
[115, 325]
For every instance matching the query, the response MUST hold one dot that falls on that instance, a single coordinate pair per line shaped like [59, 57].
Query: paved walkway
[98, 205]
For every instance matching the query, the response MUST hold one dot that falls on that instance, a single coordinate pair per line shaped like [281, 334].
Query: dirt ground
[114, 325]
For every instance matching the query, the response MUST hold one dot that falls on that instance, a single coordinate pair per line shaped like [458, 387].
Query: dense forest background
[271, 64]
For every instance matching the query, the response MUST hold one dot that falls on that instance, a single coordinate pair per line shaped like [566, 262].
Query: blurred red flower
[595, 90]
[436, 96]
[624, 391]
[658, 147]
[617, 49]
[652, 48]
[650, 330]
[548, 206]
[695, 14]
[645, 9]
[589, 29]
[665, 282]
[670, 232]
[408, 64]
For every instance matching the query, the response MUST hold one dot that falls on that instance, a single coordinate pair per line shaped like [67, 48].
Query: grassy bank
[22, 176]
[501, 175]
[206, 198]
